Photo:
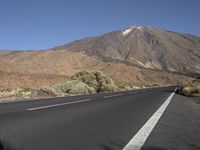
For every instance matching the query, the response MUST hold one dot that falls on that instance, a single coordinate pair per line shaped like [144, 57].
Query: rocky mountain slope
[46, 68]
[144, 46]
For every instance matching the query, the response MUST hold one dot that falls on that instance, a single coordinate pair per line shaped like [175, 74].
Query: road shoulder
[178, 128]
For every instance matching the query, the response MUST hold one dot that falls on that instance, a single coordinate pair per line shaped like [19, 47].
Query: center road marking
[141, 136]
[56, 105]
[68, 103]
[113, 95]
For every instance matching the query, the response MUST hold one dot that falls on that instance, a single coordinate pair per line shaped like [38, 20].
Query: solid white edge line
[60, 104]
[141, 136]
[109, 96]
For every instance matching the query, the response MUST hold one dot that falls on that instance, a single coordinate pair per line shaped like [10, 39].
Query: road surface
[148, 119]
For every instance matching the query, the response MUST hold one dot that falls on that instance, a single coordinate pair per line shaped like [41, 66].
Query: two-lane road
[107, 121]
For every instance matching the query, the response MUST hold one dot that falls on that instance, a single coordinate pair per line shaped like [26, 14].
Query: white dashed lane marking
[60, 104]
[116, 95]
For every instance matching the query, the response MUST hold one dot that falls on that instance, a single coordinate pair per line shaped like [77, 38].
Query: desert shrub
[104, 82]
[183, 84]
[74, 87]
[196, 84]
[66, 86]
[25, 92]
[43, 92]
[128, 87]
[22, 92]
[95, 79]
[189, 88]
[155, 85]
[16, 92]
[4, 89]
[85, 82]
[82, 88]
[86, 77]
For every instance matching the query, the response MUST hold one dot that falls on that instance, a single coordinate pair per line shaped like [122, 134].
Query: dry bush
[86, 82]
[66, 86]
[82, 88]
[189, 88]
[25, 92]
[96, 79]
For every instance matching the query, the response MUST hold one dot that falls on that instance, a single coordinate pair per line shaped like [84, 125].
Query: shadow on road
[153, 148]
[5, 146]
[113, 145]
[120, 145]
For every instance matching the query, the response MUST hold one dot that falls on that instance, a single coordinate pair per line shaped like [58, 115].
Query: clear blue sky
[41, 24]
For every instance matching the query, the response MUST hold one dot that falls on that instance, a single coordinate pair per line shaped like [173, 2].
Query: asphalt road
[101, 122]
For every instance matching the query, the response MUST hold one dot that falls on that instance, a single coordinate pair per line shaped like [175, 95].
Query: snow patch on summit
[127, 31]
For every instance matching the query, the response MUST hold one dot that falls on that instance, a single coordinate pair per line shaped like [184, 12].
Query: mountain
[48, 67]
[137, 55]
[144, 46]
